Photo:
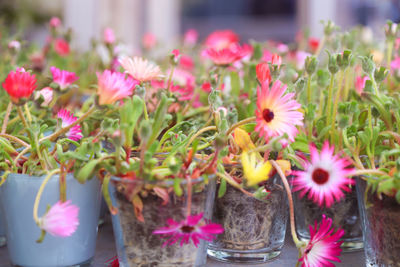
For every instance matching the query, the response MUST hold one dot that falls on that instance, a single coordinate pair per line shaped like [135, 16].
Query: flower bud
[329, 27]
[391, 30]
[380, 74]
[332, 65]
[311, 64]
[145, 130]
[368, 65]
[300, 84]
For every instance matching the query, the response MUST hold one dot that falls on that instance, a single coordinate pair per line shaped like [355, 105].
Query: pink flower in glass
[190, 229]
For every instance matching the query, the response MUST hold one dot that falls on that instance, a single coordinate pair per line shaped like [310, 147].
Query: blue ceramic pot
[17, 196]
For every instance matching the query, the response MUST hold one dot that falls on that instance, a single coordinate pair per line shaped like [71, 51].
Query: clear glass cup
[135, 241]
[344, 214]
[381, 227]
[254, 229]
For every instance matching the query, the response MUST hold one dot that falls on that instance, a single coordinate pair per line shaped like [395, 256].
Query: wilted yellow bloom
[254, 169]
[285, 166]
[243, 140]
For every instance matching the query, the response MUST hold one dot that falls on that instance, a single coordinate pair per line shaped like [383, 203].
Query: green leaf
[177, 187]
[235, 84]
[222, 188]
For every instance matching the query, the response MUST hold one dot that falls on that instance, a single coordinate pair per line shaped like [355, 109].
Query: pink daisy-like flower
[276, 112]
[62, 77]
[360, 83]
[55, 22]
[61, 47]
[226, 55]
[190, 37]
[323, 247]
[141, 69]
[68, 118]
[190, 229]
[324, 178]
[61, 220]
[114, 86]
[221, 39]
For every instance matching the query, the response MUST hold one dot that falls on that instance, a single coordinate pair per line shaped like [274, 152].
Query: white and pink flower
[63, 78]
[324, 245]
[114, 86]
[325, 177]
[277, 113]
[68, 118]
[141, 69]
[61, 220]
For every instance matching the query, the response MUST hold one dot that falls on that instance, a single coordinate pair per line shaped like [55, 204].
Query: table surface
[106, 250]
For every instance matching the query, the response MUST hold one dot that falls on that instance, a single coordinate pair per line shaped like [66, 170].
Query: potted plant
[42, 148]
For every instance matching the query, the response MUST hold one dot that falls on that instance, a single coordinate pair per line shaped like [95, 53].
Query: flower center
[320, 176]
[187, 229]
[268, 115]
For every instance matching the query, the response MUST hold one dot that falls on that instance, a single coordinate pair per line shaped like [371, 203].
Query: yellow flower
[243, 140]
[254, 170]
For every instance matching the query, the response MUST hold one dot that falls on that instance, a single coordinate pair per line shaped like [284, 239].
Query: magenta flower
[68, 118]
[190, 229]
[324, 178]
[323, 247]
[61, 220]
[114, 86]
[190, 37]
[62, 77]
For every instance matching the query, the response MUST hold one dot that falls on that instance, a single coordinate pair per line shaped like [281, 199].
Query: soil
[251, 224]
[144, 249]
[382, 230]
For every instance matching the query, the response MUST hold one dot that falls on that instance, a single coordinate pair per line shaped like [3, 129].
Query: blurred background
[168, 19]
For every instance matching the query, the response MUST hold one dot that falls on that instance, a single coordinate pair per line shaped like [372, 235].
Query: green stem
[389, 52]
[64, 130]
[320, 46]
[39, 195]
[374, 84]
[336, 103]
[330, 96]
[22, 117]
[28, 113]
[14, 138]
[309, 96]
[296, 240]
[347, 84]
[6, 117]
[240, 123]
[209, 128]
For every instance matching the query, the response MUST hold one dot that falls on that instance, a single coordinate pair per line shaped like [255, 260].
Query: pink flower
[206, 87]
[186, 62]
[276, 112]
[176, 54]
[225, 56]
[149, 41]
[68, 118]
[190, 37]
[108, 36]
[263, 73]
[184, 84]
[113, 86]
[395, 65]
[141, 69]
[360, 83]
[63, 78]
[19, 84]
[313, 43]
[267, 56]
[276, 60]
[324, 178]
[221, 39]
[55, 22]
[14, 45]
[61, 220]
[282, 48]
[190, 229]
[47, 94]
[61, 47]
[323, 247]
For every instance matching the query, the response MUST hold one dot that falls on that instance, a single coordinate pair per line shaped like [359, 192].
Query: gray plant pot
[17, 197]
